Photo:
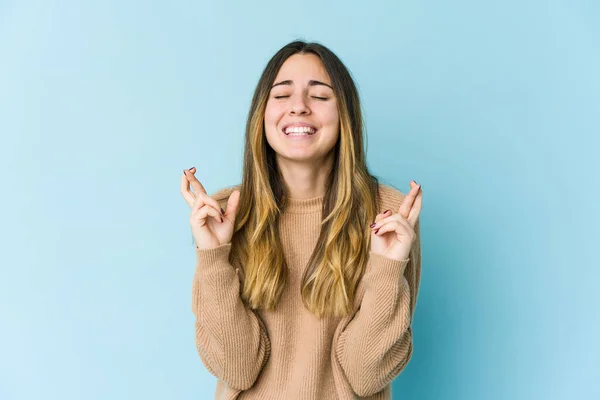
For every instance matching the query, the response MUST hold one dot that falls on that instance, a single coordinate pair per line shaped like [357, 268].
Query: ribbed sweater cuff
[382, 269]
[213, 262]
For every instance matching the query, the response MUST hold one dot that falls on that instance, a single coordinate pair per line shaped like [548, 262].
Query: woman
[306, 283]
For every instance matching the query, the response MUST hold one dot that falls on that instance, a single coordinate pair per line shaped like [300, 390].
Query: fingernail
[372, 225]
[191, 169]
[221, 219]
[386, 211]
[222, 211]
[377, 230]
[415, 182]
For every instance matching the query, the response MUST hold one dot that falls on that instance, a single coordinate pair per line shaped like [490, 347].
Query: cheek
[272, 114]
[272, 118]
[331, 116]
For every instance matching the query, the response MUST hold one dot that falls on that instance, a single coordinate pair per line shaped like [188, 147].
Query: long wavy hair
[330, 280]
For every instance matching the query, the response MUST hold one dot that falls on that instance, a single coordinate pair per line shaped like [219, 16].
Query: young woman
[308, 271]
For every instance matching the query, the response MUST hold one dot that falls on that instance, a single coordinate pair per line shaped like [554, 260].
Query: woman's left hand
[392, 235]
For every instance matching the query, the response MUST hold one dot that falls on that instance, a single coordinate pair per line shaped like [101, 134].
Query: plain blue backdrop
[492, 106]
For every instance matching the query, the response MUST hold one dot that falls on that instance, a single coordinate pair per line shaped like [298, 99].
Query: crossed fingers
[198, 198]
[406, 216]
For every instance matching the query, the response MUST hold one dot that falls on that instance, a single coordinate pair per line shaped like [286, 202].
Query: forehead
[301, 68]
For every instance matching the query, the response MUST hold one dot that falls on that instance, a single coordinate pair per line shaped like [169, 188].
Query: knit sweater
[288, 353]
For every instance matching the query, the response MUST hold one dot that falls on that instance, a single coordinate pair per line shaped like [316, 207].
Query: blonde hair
[339, 259]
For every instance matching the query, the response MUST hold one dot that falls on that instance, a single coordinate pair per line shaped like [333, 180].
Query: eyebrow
[312, 82]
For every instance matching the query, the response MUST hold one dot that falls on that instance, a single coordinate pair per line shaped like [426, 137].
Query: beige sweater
[288, 353]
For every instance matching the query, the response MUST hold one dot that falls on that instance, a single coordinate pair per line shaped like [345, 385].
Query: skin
[392, 234]
[304, 164]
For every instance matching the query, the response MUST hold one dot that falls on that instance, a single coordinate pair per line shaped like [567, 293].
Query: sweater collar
[304, 206]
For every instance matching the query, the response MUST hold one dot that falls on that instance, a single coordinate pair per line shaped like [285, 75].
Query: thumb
[232, 205]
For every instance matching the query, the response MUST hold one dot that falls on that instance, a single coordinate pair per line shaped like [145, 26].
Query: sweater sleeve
[376, 344]
[231, 339]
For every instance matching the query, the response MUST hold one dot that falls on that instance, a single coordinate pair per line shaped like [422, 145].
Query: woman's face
[302, 96]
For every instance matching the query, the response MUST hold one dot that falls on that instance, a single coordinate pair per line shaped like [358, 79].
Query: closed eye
[314, 97]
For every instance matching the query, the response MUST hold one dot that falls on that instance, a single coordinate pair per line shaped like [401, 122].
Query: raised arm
[231, 339]
[375, 344]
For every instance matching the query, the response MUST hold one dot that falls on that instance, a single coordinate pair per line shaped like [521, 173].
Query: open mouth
[303, 131]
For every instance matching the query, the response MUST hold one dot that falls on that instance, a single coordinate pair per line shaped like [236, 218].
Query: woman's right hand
[211, 227]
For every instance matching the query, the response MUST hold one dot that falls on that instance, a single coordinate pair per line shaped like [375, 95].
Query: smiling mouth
[301, 132]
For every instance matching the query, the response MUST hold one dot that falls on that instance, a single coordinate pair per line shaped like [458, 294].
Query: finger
[409, 200]
[416, 209]
[198, 200]
[204, 212]
[212, 202]
[232, 205]
[380, 216]
[202, 200]
[199, 189]
[185, 190]
[196, 185]
[393, 226]
[391, 218]
[198, 203]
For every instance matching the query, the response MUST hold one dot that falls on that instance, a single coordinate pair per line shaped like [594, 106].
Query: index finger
[408, 201]
[196, 185]
[185, 190]
[416, 209]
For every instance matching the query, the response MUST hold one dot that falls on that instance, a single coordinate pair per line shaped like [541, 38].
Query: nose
[298, 105]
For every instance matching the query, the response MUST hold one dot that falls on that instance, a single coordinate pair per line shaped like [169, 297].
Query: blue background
[492, 106]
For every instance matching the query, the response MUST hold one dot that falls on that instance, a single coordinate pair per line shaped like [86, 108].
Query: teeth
[300, 130]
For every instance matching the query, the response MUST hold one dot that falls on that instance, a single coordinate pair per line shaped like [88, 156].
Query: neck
[305, 179]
